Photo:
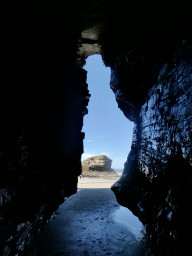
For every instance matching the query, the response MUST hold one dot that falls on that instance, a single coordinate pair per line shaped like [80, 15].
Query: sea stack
[98, 166]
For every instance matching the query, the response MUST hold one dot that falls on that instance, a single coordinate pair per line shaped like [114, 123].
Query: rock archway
[148, 48]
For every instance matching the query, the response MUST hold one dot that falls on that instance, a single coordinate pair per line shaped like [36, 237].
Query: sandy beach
[90, 222]
[96, 182]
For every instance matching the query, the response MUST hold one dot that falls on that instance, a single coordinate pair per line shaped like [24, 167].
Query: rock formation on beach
[98, 166]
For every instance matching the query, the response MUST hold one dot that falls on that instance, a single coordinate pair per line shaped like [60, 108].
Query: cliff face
[149, 50]
[97, 166]
[158, 172]
[44, 101]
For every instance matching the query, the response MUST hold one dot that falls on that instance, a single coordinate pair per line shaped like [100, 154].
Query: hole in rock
[107, 131]
[91, 222]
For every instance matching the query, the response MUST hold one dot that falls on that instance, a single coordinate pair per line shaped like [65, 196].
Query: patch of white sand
[100, 182]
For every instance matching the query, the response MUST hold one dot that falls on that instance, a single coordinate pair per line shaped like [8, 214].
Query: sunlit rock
[98, 166]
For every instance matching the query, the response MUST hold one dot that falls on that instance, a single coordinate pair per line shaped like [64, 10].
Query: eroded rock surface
[157, 180]
[97, 166]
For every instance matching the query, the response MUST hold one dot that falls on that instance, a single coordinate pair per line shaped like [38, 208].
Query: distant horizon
[107, 131]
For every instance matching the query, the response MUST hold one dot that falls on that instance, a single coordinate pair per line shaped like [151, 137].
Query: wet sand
[87, 224]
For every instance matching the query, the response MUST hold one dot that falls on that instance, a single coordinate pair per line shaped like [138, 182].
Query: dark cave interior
[148, 47]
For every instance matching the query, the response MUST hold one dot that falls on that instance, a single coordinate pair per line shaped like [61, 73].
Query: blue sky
[107, 130]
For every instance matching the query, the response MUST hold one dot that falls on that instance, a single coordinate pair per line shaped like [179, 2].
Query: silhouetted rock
[157, 178]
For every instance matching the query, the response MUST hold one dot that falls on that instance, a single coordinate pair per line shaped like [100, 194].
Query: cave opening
[44, 102]
[107, 131]
[91, 222]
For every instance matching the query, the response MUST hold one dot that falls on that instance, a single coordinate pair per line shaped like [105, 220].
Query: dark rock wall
[43, 103]
[149, 51]
[157, 180]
